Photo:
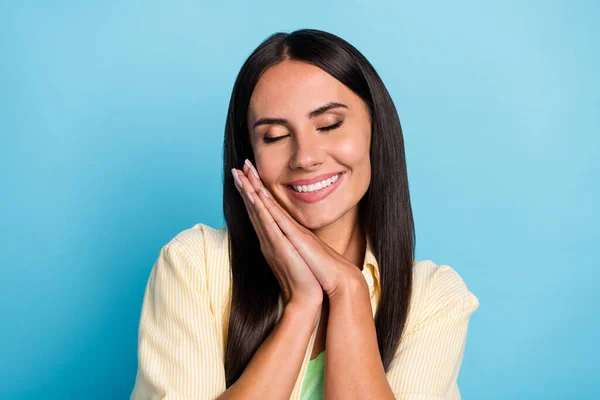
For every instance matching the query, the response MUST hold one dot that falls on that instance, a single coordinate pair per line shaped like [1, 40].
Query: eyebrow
[314, 113]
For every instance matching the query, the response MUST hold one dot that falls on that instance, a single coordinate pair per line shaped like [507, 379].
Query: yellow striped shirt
[185, 315]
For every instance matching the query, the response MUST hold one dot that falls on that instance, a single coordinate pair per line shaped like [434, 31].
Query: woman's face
[291, 148]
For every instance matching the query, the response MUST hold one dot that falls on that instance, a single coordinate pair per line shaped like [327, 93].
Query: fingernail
[254, 171]
[264, 191]
[249, 195]
[236, 179]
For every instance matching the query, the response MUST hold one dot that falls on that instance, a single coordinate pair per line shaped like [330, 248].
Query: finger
[240, 186]
[305, 244]
[249, 207]
[258, 206]
[252, 176]
[272, 227]
[247, 187]
[274, 232]
[288, 225]
[303, 240]
[254, 179]
[268, 231]
[246, 199]
[254, 171]
[281, 247]
[281, 216]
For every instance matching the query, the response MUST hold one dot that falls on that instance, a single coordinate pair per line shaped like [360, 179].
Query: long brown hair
[385, 209]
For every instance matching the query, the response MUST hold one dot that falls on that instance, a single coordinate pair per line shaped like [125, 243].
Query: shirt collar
[370, 264]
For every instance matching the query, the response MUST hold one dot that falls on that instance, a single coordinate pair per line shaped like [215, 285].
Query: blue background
[111, 128]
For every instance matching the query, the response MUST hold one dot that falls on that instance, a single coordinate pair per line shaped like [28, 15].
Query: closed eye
[274, 139]
[331, 127]
[326, 128]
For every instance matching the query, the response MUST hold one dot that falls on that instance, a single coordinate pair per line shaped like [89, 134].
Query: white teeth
[316, 186]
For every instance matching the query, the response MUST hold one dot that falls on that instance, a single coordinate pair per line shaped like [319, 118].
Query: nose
[308, 152]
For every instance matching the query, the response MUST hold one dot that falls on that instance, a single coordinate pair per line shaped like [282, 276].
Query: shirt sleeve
[179, 356]
[428, 359]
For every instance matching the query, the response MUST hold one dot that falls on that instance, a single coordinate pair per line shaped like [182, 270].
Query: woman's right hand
[298, 283]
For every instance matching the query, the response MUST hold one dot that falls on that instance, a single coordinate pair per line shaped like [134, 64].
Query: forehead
[292, 87]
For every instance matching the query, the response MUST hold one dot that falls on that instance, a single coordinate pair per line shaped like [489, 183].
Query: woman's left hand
[333, 271]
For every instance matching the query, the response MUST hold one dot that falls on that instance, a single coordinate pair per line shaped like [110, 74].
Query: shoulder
[201, 253]
[439, 281]
[201, 240]
[438, 289]
[202, 248]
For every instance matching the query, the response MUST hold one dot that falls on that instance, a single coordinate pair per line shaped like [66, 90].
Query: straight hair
[385, 209]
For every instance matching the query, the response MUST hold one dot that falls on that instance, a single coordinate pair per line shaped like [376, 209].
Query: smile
[316, 186]
[316, 191]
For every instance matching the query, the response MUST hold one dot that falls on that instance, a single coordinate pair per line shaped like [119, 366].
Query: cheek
[269, 166]
[352, 151]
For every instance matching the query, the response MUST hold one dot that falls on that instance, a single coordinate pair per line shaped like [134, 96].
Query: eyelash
[327, 128]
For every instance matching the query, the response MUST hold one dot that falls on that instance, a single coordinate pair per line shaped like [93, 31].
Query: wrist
[350, 288]
[308, 312]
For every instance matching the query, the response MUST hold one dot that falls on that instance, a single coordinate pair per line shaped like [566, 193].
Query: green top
[312, 387]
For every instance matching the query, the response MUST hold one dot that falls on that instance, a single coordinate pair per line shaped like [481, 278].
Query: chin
[314, 222]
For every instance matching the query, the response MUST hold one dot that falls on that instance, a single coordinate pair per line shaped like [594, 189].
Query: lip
[299, 182]
[318, 195]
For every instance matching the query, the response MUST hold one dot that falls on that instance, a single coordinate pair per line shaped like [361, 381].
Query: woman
[312, 289]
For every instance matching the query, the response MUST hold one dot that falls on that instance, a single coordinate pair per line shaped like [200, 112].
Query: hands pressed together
[303, 264]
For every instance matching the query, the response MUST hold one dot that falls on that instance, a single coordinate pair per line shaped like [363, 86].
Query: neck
[345, 236]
